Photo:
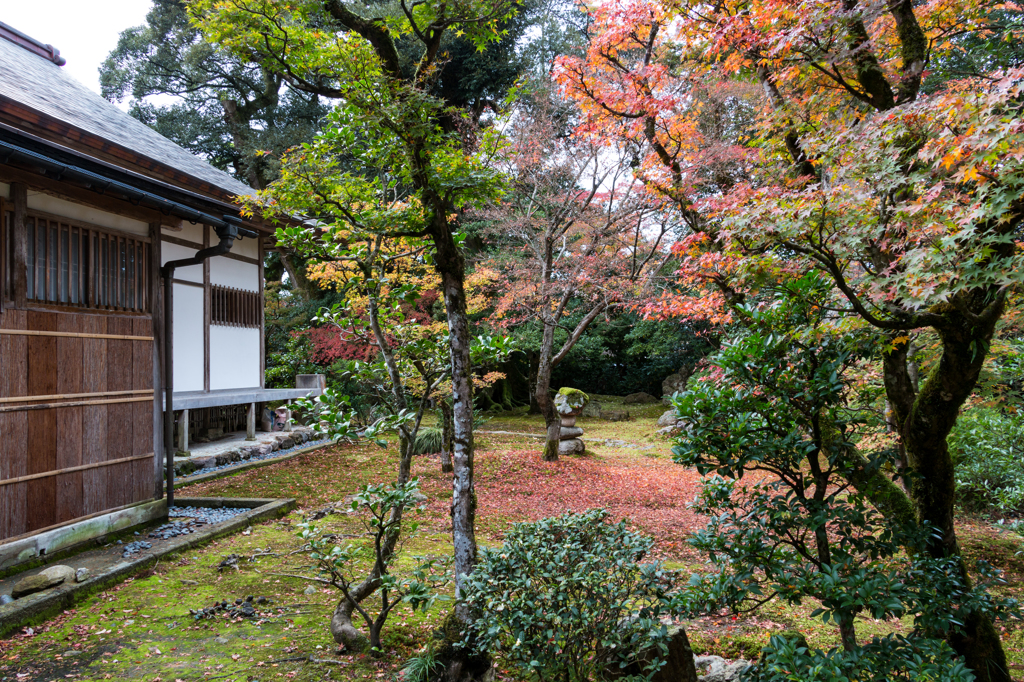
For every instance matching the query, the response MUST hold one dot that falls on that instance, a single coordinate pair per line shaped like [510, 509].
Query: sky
[85, 31]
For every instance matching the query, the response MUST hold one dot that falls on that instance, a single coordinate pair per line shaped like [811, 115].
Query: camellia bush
[775, 425]
[568, 598]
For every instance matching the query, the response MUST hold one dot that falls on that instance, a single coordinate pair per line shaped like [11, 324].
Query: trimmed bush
[567, 598]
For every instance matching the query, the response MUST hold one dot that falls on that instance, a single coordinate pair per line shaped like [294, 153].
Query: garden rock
[591, 410]
[678, 666]
[615, 415]
[718, 670]
[5, 599]
[674, 383]
[59, 572]
[639, 399]
[568, 432]
[669, 418]
[40, 582]
[573, 446]
[81, 575]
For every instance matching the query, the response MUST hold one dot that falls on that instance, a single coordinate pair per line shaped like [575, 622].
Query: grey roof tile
[41, 85]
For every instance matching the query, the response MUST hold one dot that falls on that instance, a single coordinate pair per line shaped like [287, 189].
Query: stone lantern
[569, 402]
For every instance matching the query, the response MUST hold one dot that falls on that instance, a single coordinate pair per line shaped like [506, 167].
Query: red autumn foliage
[328, 344]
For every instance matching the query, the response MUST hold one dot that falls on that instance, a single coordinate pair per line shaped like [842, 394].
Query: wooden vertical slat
[156, 308]
[119, 416]
[94, 417]
[142, 413]
[263, 352]
[14, 449]
[206, 311]
[3, 253]
[71, 361]
[19, 199]
[42, 424]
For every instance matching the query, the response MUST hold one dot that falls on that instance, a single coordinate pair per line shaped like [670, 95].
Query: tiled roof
[41, 85]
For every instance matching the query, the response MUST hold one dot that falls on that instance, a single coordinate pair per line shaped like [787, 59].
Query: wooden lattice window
[6, 253]
[235, 307]
[75, 264]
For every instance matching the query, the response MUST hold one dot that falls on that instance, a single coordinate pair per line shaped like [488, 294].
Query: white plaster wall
[50, 204]
[234, 357]
[229, 272]
[247, 246]
[5, 190]
[188, 338]
[190, 232]
[169, 252]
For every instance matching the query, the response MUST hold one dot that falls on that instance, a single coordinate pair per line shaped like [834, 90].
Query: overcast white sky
[85, 31]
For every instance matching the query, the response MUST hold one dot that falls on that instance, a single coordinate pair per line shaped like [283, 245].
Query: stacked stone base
[569, 437]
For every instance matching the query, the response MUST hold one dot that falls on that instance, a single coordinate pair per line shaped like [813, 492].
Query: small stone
[81, 575]
[130, 621]
[640, 398]
[668, 418]
[222, 640]
[569, 432]
[5, 599]
[189, 582]
[309, 590]
[572, 447]
[59, 573]
[70, 652]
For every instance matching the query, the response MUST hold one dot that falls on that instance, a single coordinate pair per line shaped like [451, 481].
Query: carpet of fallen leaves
[651, 493]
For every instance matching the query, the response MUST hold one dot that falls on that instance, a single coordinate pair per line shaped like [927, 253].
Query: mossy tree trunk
[542, 391]
[924, 419]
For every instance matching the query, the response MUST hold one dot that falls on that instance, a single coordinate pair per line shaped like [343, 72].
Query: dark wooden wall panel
[94, 417]
[42, 424]
[70, 363]
[119, 417]
[66, 436]
[14, 463]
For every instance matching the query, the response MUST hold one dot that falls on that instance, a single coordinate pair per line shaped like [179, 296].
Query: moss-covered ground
[142, 629]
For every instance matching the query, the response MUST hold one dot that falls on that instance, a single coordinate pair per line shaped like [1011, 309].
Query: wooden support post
[183, 432]
[250, 423]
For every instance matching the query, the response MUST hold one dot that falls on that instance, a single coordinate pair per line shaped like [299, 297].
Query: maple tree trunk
[924, 419]
[447, 435]
[534, 366]
[542, 391]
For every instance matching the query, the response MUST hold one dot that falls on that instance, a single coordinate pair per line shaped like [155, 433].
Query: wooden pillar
[183, 432]
[156, 310]
[250, 423]
[19, 242]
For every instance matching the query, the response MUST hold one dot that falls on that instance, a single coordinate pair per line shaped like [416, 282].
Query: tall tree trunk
[924, 420]
[298, 279]
[447, 436]
[534, 366]
[542, 391]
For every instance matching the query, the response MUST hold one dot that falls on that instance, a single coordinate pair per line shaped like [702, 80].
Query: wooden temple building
[93, 206]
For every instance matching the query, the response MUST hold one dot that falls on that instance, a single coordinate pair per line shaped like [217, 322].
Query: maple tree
[575, 233]
[775, 424]
[909, 201]
[332, 50]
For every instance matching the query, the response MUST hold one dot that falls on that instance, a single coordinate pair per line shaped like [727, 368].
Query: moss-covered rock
[570, 401]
